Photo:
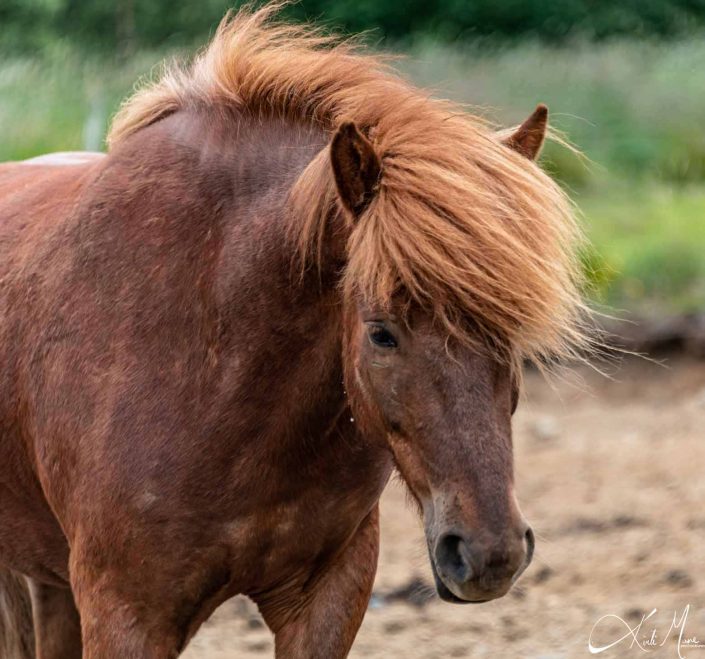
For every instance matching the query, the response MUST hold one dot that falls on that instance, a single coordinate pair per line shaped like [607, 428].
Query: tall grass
[636, 109]
[62, 101]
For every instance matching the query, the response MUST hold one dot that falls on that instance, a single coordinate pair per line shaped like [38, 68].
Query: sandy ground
[612, 475]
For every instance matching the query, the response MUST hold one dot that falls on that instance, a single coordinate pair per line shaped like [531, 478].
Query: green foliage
[129, 24]
[648, 243]
[551, 20]
[634, 108]
[599, 274]
[62, 101]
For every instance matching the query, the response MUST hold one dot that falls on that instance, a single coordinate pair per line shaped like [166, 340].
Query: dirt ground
[611, 473]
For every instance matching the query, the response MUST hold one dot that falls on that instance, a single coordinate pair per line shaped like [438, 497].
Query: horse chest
[293, 538]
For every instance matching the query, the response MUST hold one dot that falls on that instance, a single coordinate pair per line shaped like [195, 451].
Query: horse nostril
[451, 552]
[530, 542]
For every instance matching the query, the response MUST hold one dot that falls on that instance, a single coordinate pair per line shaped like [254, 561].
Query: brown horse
[292, 273]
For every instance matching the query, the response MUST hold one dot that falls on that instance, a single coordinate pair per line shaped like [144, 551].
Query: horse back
[36, 194]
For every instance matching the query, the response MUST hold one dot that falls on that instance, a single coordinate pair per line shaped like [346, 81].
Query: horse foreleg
[115, 628]
[321, 621]
[131, 609]
[57, 626]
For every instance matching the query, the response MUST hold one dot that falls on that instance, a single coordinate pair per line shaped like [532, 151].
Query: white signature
[639, 637]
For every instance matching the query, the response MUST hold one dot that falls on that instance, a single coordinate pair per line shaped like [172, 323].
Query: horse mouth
[446, 594]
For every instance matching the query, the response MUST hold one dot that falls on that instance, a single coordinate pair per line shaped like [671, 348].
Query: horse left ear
[528, 138]
[356, 167]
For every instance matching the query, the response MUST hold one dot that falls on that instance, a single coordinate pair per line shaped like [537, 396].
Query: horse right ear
[356, 167]
[528, 138]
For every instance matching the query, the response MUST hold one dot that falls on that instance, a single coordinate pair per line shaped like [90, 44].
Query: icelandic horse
[292, 273]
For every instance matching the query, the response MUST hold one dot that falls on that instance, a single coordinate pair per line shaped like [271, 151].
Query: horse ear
[528, 138]
[356, 167]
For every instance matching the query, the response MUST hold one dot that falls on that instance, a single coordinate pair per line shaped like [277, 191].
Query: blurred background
[610, 469]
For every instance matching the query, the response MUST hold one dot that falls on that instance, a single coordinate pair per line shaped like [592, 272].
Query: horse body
[145, 392]
[291, 274]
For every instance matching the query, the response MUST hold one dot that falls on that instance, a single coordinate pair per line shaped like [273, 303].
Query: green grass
[62, 102]
[648, 247]
[636, 109]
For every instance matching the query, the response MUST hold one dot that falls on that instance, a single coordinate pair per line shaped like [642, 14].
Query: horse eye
[382, 337]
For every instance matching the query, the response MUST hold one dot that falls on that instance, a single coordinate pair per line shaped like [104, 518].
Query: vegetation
[129, 24]
[635, 108]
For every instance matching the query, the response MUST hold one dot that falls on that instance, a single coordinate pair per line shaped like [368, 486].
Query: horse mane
[465, 226]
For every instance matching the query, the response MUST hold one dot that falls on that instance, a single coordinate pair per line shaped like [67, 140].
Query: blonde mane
[468, 228]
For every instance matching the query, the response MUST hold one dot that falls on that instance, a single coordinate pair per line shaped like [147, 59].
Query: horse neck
[285, 333]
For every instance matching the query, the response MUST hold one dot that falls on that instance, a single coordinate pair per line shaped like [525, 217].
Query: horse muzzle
[478, 567]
